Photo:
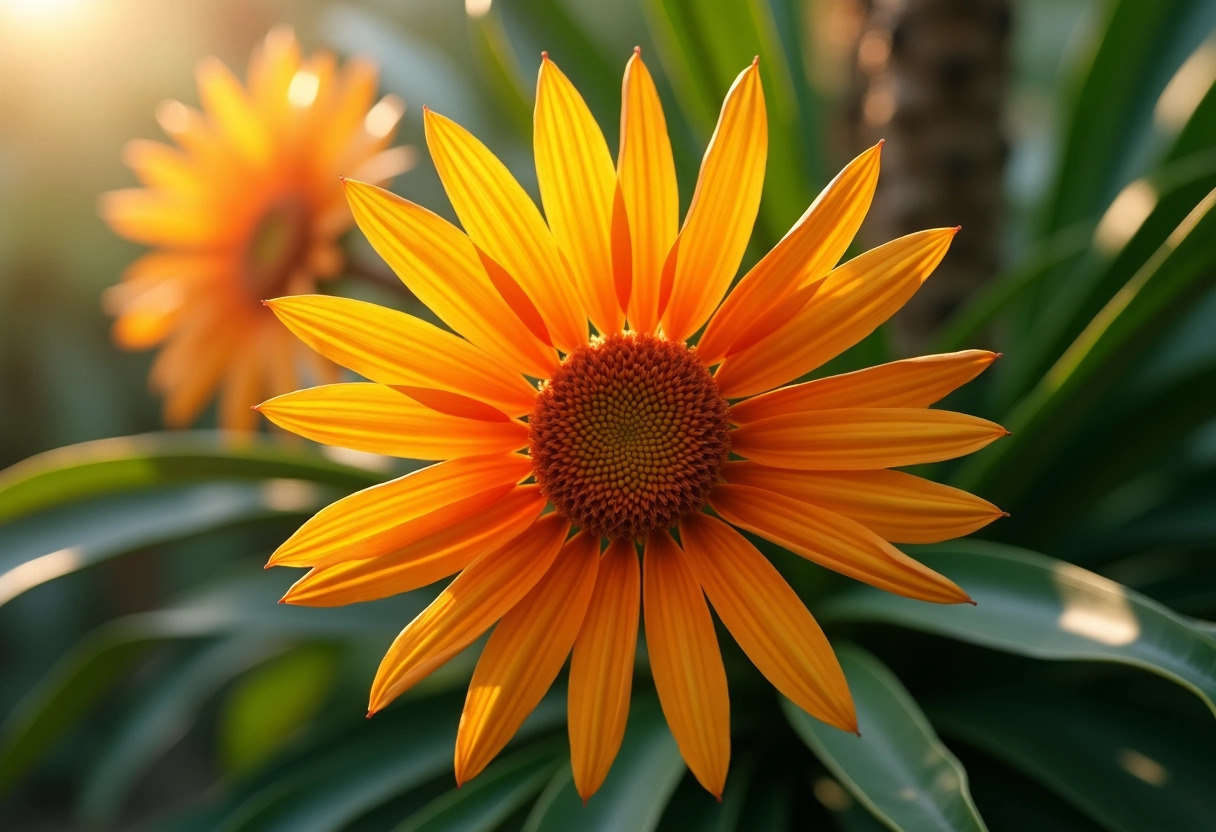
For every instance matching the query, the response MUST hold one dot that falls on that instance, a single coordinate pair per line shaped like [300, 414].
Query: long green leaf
[897, 768]
[1036, 606]
[129, 463]
[492, 797]
[1176, 275]
[62, 540]
[1132, 770]
[633, 796]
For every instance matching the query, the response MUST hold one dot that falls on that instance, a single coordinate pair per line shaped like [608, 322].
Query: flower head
[247, 205]
[543, 428]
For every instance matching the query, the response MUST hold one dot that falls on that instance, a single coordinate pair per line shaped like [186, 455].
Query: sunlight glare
[38, 571]
[382, 118]
[40, 11]
[1095, 608]
[304, 87]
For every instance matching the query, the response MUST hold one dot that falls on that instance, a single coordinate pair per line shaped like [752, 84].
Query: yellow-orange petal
[912, 382]
[501, 218]
[896, 506]
[160, 218]
[480, 595]
[577, 187]
[723, 208]
[233, 114]
[850, 304]
[601, 667]
[242, 387]
[831, 540]
[423, 561]
[768, 620]
[861, 438]
[441, 266]
[381, 420]
[397, 349]
[804, 255]
[649, 198]
[525, 653]
[385, 517]
[685, 662]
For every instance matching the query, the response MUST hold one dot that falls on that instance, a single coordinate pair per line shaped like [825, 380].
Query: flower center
[276, 248]
[629, 435]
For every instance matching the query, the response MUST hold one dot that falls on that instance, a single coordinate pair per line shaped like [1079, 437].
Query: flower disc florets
[629, 435]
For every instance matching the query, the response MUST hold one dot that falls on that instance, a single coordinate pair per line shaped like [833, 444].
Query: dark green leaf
[637, 788]
[1036, 606]
[1132, 770]
[897, 768]
[129, 463]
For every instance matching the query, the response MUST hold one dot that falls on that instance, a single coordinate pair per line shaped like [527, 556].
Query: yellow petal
[833, 541]
[896, 506]
[394, 348]
[385, 517]
[601, 667]
[440, 265]
[480, 595]
[233, 113]
[861, 438]
[850, 304]
[525, 653]
[380, 420]
[649, 197]
[685, 662]
[912, 382]
[422, 562]
[503, 221]
[723, 208]
[805, 254]
[768, 620]
[577, 187]
[160, 218]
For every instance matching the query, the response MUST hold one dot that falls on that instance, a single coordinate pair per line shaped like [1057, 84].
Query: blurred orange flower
[247, 206]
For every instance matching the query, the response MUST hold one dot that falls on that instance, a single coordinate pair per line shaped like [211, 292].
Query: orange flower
[249, 205]
[630, 432]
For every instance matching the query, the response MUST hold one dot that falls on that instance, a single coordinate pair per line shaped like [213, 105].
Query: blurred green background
[149, 680]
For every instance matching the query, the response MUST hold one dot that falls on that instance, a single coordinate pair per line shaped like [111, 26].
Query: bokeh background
[1074, 141]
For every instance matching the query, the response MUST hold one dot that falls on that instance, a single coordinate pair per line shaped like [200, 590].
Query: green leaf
[1064, 401]
[93, 667]
[1133, 55]
[272, 703]
[62, 540]
[128, 463]
[897, 768]
[635, 792]
[156, 720]
[1132, 770]
[356, 776]
[1198, 133]
[492, 797]
[1033, 605]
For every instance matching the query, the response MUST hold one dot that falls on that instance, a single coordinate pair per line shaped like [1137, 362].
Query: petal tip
[637, 50]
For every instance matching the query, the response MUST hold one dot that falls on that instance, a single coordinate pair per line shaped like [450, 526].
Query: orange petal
[394, 348]
[601, 667]
[768, 620]
[233, 113]
[480, 595]
[423, 561]
[525, 653]
[850, 304]
[861, 438]
[896, 506]
[160, 218]
[685, 661]
[804, 255]
[385, 517]
[440, 265]
[651, 202]
[833, 541]
[577, 187]
[502, 219]
[912, 382]
[723, 208]
[380, 420]
[243, 385]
